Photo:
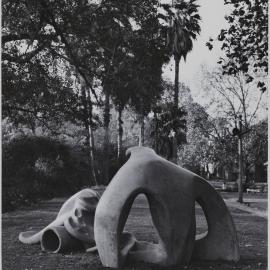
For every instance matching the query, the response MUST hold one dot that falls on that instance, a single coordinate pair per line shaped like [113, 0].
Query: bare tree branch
[256, 109]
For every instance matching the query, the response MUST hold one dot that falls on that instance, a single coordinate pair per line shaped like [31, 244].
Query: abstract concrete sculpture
[72, 228]
[171, 192]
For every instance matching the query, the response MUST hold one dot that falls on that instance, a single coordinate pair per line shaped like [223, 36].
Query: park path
[252, 210]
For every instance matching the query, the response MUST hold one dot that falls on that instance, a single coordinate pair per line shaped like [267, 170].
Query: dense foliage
[39, 167]
[245, 41]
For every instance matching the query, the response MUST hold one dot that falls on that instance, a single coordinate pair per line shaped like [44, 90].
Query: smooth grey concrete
[75, 220]
[57, 239]
[171, 192]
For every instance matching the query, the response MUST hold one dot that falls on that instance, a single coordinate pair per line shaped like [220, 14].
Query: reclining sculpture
[86, 219]
[73, 227]
[171, 192]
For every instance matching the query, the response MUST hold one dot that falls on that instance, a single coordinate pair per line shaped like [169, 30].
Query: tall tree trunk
[87, 108]
[141, 117]
[176, 97]
[91, 137]
[141, 137]
[106, 136]
[156, 133]
[90, 145]
[33, 128]
[120, 132]
[176, 81]
[240, 156]
[174, 150]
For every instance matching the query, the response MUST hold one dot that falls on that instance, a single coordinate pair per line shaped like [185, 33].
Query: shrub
[39, 168]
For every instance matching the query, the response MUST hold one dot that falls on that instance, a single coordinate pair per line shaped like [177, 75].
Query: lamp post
[239, 133]
[240, 153]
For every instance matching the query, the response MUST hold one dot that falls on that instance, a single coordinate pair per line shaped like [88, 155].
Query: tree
[236, 101]
[184, 26]
[167, 123]
[90, 43]
[121, 96]
[245, 41]
[255, 149]
[208, 142]
[231, 95]
[32, 96]
[117, 40]
[114, 38]
[150, 53]
[38, 31]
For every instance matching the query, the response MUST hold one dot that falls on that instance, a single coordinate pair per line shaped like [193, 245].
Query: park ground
[250, 221]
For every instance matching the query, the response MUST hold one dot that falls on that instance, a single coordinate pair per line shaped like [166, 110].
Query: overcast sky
[212, 13]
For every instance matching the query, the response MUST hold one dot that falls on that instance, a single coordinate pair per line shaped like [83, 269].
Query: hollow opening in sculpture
[201, 221]
[51, 241]
[139, 221]
[140, 239]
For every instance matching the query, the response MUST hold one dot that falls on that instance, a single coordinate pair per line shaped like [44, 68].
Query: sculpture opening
[128, 245]
[57, 239]
[51, 241]
[201, 222]
[139, 221]
[143, 242]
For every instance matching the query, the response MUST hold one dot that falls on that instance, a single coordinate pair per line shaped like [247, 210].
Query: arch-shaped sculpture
[73, 226]
[171, 192]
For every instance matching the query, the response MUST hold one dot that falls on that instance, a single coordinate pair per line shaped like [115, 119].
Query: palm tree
[184, 28]
[181, 45]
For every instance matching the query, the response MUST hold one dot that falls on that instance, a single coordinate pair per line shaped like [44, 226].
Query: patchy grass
[252, 235]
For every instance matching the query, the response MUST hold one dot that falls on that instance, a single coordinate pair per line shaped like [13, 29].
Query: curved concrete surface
[75, 220]
[57, 239]
[171, 192]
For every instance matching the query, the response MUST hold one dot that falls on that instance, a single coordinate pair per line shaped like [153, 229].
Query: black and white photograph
[134, 134]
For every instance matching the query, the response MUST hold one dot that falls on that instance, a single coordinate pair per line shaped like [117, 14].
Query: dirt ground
[252, 235]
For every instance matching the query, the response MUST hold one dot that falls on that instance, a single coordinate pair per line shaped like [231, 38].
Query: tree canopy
[245, 40]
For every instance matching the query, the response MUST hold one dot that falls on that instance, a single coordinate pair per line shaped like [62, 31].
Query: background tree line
[82, 81]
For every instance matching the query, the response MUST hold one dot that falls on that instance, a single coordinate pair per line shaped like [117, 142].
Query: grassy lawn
[252, 235]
